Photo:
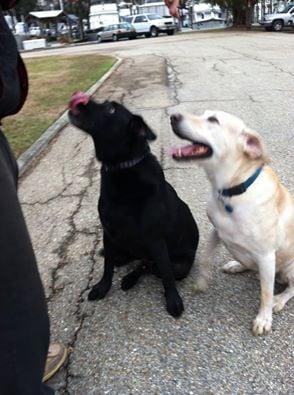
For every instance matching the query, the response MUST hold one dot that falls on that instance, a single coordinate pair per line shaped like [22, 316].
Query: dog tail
[205, 268]
[203, 280]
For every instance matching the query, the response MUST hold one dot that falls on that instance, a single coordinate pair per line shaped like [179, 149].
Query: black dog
[141, 214]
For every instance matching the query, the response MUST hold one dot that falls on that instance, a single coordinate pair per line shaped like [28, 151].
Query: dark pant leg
[24, 324]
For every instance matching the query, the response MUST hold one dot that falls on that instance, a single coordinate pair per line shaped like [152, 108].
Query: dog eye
[109, 107]
[111, 110]
[213, 119]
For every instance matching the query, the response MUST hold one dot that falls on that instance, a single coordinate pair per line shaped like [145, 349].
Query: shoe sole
[57, 367]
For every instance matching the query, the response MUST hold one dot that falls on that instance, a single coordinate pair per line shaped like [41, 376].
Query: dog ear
[253, 145]
[139, 127]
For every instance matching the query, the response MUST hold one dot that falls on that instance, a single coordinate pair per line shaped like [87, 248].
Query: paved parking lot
[126, 343]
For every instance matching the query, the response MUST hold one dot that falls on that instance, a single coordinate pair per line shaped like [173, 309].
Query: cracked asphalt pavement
[126, 343]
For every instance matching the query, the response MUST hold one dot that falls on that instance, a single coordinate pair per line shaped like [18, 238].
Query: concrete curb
[25, 159]
[23, 51]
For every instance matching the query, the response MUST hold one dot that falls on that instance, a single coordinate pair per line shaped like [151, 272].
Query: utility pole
[117, 9]
[191, 12]
[61, 5]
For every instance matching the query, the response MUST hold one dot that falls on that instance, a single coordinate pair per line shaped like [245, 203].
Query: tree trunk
[81, 25]
[248, 16]
[239, 16]
[81, 20]
[242, 13]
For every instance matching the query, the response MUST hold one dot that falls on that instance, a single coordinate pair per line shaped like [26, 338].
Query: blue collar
[238, 189]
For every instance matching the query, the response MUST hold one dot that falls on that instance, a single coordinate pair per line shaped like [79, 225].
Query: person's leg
[24, 323]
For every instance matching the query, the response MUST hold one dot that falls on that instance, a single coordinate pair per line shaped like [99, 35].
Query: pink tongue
[76, 99]
[187, 150]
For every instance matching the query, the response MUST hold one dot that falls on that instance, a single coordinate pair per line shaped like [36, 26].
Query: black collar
[238, 189]
[125, 165]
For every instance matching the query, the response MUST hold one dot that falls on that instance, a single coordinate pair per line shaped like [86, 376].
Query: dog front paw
[262, 325]
[99, 290]
[174, 303]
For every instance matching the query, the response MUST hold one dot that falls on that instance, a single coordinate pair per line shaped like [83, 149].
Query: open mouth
[192, 151]
[196, 150]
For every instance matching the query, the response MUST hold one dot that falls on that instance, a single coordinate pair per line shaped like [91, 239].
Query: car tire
[170, 32]
[278, 25]
[114, 37]
[153, 32]
[99, 39]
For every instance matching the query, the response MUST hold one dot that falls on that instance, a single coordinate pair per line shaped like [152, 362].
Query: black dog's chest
[120, 223]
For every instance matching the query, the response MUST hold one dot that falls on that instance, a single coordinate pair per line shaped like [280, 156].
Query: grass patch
[52, 81]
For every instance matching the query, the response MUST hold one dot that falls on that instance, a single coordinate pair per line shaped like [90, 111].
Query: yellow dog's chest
[235, 233]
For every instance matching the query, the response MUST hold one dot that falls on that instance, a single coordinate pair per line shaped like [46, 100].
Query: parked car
[35, 31]
[116, 32]
[151, 25]
[279, 20]
[21, 28]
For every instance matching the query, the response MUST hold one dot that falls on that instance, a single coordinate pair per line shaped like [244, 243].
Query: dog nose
[176, 117]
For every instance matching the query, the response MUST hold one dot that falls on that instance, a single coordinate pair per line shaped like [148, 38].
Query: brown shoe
[56, 357]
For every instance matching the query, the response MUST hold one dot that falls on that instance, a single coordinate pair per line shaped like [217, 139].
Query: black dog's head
[118, 134]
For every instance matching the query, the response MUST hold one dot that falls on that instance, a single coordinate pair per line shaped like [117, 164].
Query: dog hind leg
[182, 268]
[131, 279]
[281, 299]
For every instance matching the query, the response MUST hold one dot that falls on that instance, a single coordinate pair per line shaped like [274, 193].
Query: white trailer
[103, 14]
[154, 8]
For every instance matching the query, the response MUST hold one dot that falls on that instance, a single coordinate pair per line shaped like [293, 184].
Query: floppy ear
[253, 145]
[139, 127]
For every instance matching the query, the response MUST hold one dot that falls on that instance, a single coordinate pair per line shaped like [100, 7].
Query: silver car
[116, 32]
[279, 20]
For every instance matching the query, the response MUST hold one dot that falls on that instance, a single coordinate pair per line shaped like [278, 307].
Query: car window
[141, 18]
[286, 9]
[154, 16]
[128, 19]
[123, 25]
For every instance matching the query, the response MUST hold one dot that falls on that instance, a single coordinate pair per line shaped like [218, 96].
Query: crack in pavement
[173, 80]
[217, 70]
[80, 315]
[60, 195]
[268, 62]
[66, 184]
[62, 250]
